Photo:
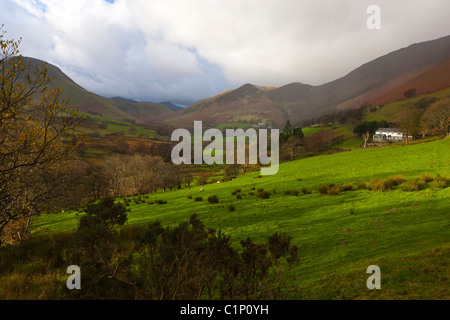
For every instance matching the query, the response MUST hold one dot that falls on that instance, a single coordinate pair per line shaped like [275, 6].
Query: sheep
[202, 189]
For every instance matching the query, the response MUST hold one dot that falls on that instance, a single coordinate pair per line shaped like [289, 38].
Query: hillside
[88, 102]
[422, 66]
[340, 235]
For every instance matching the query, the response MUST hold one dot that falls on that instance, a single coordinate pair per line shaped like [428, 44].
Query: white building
[389, 134]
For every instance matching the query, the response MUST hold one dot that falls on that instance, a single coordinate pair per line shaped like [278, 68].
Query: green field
[405, 233]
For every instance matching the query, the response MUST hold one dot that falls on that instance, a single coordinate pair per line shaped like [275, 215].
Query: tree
[36, 138]
[436, 117]
[409, 122]
[292, 147]
[366, 137]
[287, 127]
[410, 93]
[366, 126]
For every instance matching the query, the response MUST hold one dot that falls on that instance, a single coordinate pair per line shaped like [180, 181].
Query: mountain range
[424, 67]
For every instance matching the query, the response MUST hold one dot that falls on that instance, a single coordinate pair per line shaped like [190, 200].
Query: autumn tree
[410, 93]
[410, 122]
[36, 139]
[291, 147]
[436, 117]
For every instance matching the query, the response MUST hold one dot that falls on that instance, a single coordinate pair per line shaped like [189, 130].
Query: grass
[390, 111]
[403, 232]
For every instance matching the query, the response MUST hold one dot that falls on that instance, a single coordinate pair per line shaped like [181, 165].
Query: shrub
[306, 191]
[378, 185]
[237, 190]
[334, 190]
[440, 182]
[198, 199]
[189, 197]
[263, 194]
[231, 207]
[323, 189]
[213, 199]
[427, 178]
[394, 181]
[106, 214]
[362, 185]
[415, 185]
[347, 187]
[160, 201]
[239, 197]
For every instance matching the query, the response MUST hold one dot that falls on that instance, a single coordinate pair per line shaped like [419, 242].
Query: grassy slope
[390, 111]
[410, 243]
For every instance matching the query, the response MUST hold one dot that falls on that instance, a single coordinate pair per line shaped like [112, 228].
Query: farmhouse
[390, 135]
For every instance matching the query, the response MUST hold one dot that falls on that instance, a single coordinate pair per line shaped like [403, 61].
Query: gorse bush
[213, 199]
[263, 194]
[184, 262]
[306, 191]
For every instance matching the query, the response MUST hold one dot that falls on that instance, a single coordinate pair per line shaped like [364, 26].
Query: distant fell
[423, 66]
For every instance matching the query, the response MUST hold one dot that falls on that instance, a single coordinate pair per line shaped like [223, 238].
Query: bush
[106, 214]
[198, 199]
[415, 185]
[334, 190]
[231, 207]
[394, 181]
[306, 191]
[440, 182]
[323, 189]
[237, 190]
[160, 201]
[213, 199]
[427, 178]
[347, 187]
[362, 185]
[263, 194]
[239, 197]
[189, 197]
[387, 184]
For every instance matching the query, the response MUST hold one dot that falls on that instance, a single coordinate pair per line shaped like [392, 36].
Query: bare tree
[115, 170]
[366, 137]
[436, 117]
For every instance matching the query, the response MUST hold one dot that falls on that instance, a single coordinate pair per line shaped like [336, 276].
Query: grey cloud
[188, 50]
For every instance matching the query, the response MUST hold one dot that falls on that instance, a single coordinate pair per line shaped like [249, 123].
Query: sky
[186, 50]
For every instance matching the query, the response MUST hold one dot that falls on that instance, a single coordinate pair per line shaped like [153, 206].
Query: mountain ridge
[367, 84]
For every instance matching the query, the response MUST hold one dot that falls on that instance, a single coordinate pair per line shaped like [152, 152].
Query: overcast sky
[186, 50]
